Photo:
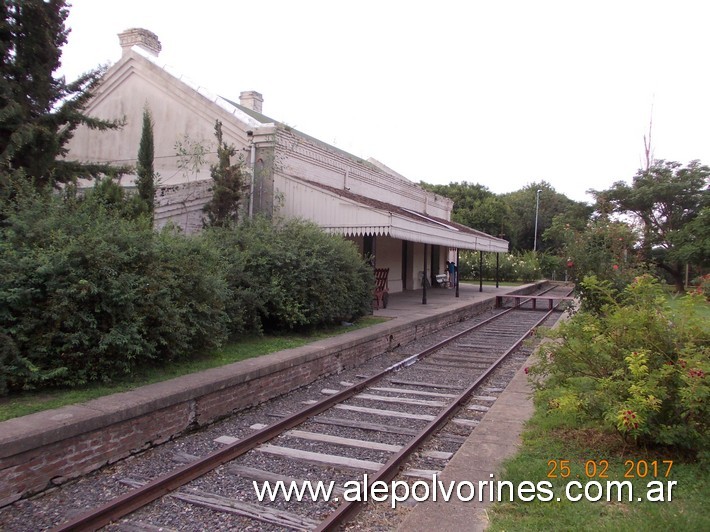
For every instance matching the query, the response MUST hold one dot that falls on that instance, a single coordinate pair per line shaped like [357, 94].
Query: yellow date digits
[600, 468]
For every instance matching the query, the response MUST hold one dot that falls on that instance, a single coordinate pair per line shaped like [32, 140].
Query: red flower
[615, 267]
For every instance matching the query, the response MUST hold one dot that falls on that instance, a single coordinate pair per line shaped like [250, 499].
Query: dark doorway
[368, 248]
[435, 250]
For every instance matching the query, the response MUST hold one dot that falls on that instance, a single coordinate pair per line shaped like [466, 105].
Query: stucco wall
[183, 120]
[388, 251]
[313, 161]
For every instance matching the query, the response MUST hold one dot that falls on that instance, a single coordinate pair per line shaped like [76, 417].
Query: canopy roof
[351, 214]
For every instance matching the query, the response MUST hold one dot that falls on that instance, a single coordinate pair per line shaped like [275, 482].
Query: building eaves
[405, 213]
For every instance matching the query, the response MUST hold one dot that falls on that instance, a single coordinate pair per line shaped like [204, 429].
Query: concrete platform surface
[409, 304]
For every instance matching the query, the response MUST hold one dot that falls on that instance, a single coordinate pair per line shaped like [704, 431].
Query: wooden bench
[441, 280]
[381, 295]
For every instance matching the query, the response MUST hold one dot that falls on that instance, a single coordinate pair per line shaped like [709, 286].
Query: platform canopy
[341, 212]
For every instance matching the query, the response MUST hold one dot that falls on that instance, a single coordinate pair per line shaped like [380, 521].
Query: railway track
[372, 424]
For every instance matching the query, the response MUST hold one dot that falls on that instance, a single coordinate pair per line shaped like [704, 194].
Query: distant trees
[553, 205]
[512, 216]
[670, 202]
[38, 112]
[475, 206]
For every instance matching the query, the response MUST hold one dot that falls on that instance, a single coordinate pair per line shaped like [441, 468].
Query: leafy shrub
[604, 249]
[634, 366]
[88, 295]
[90, 291]
[511, 267]
[303, 276]
[704, 287]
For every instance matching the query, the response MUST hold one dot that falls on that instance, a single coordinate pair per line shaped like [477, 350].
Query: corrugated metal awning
[348, 214]
[426, 234]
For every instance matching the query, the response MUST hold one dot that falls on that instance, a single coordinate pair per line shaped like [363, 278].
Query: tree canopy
[474, 206]
[39, 112]
[669, 201]
[512, 216]
[521, 232]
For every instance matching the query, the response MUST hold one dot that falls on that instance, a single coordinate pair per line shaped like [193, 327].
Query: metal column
[497, 267]
[480, 271]
[424, 279]
[456, 272]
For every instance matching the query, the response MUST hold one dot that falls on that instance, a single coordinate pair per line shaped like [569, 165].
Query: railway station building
[394, 221]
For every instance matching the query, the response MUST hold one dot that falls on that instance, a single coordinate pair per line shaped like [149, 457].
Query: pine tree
[229, 182]
[145, 181]
[38, 112]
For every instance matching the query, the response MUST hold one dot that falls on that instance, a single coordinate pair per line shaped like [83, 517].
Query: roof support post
[456, 272]
[424, 278]
[497, 267]
[480, 271]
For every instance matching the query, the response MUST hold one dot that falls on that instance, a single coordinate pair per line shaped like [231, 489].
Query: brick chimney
[140, 37]
[251, 100]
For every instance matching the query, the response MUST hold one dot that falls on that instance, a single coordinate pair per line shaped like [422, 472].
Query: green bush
[303, 277]
[88, 295]
[635, 366]
[90, 291]
[511, 267]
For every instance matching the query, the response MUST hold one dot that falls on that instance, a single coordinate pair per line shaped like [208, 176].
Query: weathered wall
[182, 205]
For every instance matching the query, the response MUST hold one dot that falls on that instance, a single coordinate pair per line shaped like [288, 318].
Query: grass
[700, 306]
[555, 436]
[549, 436]
[30, 402]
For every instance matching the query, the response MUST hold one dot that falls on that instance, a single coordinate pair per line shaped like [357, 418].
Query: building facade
[395, 222]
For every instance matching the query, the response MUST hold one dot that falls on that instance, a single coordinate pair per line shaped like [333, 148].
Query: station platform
[409, 303]
[166, 409]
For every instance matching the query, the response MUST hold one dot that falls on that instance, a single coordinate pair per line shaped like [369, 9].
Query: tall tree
[475, 206]
[666, 199]
[522, 207]
[145, 182]
[38, 112]
[228, 187]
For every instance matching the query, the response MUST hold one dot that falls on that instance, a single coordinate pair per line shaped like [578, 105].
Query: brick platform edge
[49, 448]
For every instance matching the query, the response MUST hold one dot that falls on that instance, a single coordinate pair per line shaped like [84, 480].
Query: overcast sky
[491, 92]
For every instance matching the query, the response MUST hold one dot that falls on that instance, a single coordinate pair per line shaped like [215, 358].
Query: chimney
[251, 100]
[139, 37]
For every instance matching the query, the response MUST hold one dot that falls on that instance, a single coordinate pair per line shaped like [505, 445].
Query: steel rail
[156, 488]
[347, 509]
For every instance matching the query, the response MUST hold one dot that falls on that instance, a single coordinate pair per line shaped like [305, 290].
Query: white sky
[501, 93]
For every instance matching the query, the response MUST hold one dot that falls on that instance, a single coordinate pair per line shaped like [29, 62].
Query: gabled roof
[240, 112]
[263, 119]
